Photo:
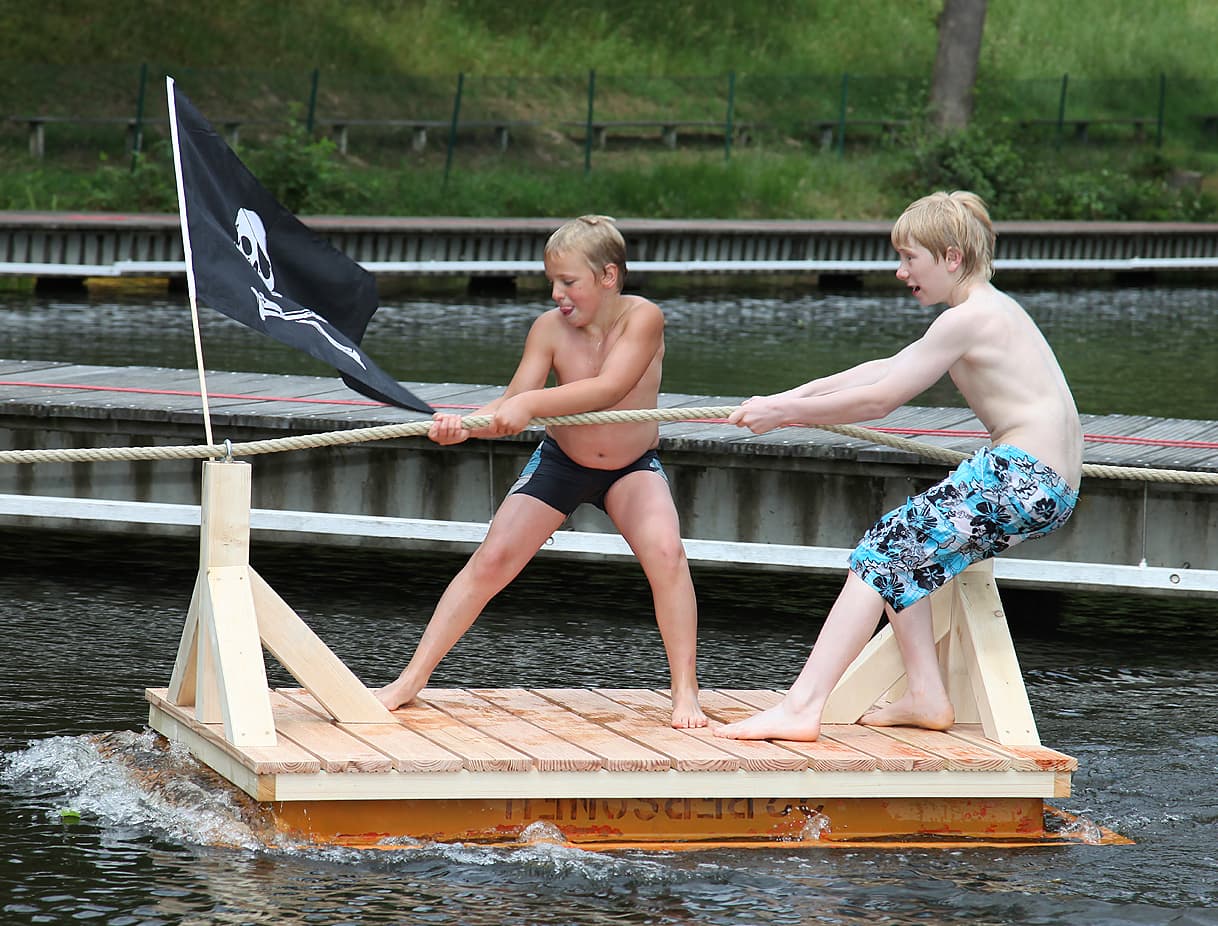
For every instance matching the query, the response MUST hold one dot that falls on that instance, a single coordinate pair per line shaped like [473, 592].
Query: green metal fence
[57, 112]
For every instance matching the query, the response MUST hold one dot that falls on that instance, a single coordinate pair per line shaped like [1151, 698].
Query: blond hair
[950, 220]
[594, 237]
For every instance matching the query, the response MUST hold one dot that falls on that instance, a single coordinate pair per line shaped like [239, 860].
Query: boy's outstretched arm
[870, 390]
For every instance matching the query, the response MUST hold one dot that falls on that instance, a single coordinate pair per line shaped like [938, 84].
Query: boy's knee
[491, 563]
[668, 557]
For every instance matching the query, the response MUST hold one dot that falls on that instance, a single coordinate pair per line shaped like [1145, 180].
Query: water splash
[542, 832]
[1083, 830]
[138, 779]
[816, 826]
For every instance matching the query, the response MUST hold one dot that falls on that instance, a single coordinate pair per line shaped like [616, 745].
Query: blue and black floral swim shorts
[993, 500]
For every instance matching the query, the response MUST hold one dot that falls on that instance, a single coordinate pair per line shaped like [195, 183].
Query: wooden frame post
[233, 614]
[976, 654]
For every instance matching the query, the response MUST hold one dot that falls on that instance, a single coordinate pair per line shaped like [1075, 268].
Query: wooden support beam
[993, 668]
[976, 653]
[233, 637]
[183, 682]
[220, 668]
[299, 650]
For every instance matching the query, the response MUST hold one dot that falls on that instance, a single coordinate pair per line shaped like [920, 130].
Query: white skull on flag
[251, 239]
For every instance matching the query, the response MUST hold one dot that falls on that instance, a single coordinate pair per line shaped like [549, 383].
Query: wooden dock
[75, 245]
[795, 498]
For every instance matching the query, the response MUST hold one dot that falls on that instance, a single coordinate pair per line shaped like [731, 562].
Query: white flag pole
[190, 270]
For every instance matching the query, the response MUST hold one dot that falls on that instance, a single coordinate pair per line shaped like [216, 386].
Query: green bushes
[1034, 182]
[302, 172]
[1019, 181]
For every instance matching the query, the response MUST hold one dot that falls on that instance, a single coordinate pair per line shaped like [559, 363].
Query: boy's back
[992, 349]
[1011, 379]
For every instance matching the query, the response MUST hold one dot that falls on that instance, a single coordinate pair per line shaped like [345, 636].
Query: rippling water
[1143, 351]
[1129, 687]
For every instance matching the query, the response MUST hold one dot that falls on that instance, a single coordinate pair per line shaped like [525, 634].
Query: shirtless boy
[1023, 485]
[606, 351]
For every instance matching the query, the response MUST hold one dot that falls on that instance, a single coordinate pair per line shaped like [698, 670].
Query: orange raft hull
[603, 769]
[685, 823]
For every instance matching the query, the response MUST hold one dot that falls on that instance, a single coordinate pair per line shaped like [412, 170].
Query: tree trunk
[951, 89]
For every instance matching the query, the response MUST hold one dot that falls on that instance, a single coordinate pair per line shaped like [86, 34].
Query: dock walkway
[48, 245]
[790, 490]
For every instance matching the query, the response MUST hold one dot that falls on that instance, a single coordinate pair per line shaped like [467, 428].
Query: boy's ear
[609, 274]
[953, 258]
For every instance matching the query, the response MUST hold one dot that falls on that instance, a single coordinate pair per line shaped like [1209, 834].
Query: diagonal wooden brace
[982, 671]
[233, 614]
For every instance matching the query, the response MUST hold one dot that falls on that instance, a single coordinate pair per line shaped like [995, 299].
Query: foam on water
[128, 780]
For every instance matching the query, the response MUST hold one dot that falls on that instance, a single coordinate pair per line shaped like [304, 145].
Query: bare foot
[686, 712]
[929, 714]
[776, 723]
[396, 693]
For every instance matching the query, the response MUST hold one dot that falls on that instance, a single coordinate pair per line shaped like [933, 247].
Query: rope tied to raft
[228, 450]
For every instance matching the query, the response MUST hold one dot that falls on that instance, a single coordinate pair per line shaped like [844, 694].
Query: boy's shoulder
[641, 307]
[981, 300]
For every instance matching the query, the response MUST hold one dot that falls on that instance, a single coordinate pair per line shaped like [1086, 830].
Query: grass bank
[544, 173]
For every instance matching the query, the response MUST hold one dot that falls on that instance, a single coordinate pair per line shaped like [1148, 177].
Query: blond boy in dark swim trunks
[1023, 485]
[606, 351]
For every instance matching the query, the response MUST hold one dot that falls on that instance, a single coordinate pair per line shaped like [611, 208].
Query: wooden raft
[334, 762]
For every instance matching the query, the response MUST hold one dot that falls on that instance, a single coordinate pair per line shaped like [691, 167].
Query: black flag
[257, 263]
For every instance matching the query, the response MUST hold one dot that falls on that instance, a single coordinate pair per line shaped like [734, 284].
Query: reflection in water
[1134, 351]
[1135, 699]
[1129, 687]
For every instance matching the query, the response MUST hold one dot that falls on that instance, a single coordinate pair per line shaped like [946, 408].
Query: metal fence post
[1061, 110]
[312, 111]
[731, 107]
[588, 123]
[452, 127]
[1162, 103]
[841, 116]
[137, 131]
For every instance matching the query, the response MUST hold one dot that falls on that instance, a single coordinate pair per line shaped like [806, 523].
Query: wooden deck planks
[549, 751]
[286, 758]
[477, 750]
[617, 753]
[960, 755]
[337, 750]
[407, 750]
[824, 755]
[686, 753]
[755, 756]
[577, 730]
[1023, 758]
[890, 755]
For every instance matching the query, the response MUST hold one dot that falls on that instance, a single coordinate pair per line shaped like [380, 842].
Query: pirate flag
[257, 263]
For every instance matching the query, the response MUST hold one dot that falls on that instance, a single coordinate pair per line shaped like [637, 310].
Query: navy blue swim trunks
[554, 478]
[993, 500]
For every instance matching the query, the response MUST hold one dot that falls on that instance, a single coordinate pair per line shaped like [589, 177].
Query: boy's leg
[641, 507]
[520, 526]
[851, 623]
[925, 702]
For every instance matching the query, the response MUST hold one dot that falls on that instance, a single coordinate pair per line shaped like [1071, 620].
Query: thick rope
[420, 428]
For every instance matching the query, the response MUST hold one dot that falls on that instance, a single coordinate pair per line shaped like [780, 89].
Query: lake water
[1128, 686]
[1145, 351]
